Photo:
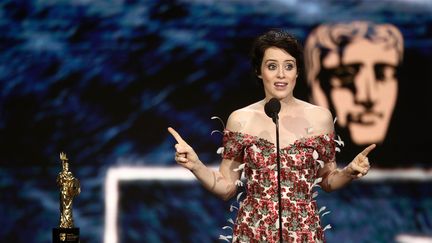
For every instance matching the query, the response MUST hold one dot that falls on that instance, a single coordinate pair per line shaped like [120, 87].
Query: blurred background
[102, 80]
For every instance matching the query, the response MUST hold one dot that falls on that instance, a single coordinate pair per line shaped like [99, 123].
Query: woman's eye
[289, 66]
[272, 66]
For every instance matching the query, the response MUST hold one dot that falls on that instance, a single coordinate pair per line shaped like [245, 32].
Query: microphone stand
[272, 108]
[276, 121]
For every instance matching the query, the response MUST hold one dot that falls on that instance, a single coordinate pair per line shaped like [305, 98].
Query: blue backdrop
[102, 80]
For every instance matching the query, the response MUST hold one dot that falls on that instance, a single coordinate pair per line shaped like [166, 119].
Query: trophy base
[63, 235]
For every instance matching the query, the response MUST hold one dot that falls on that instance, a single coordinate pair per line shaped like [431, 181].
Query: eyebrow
[274, 60]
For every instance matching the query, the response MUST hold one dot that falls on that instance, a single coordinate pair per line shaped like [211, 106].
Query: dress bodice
[300, 163]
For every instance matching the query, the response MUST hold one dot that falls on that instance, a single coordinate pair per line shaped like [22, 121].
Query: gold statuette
[69, 188]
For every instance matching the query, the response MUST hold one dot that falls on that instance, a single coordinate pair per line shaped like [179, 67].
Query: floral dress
[258, 215]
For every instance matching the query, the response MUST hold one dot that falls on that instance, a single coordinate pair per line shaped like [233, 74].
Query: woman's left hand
[359, 166]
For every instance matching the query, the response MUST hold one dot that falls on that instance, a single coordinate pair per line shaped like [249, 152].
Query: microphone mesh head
[272, 107]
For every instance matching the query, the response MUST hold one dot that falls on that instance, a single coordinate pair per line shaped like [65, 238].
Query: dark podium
[62, 235]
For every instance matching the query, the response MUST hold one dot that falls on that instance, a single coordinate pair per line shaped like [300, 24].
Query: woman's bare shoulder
[320, 117]
[240, 118]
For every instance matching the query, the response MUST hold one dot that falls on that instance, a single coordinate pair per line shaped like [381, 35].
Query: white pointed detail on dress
[239, 183]
[240, 168]
[327, 227]
[322, 209]
[227, 227]
[238, 196]
[316, 182]
[326, 212]
[226, 238]
[218, 118]
[315, 157]
[339, 143]
[232, 208]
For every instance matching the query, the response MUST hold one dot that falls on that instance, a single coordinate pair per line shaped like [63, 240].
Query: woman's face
[278, 73]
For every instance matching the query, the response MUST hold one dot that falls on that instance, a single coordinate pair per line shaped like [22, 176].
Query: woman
[307, 152]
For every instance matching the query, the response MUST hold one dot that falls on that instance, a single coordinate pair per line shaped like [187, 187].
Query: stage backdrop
[102, 80]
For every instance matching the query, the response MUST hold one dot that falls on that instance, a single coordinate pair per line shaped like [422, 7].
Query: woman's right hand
[185, 155]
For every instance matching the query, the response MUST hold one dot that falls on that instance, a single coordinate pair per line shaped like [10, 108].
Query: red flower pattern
[257, 218]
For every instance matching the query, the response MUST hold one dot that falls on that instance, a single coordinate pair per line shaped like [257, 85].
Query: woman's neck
[286, 103]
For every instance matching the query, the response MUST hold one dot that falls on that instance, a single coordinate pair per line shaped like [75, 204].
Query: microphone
[272, 108]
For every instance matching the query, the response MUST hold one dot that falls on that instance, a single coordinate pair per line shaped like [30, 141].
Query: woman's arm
[334, 178]
[220, 183]
[223, 182]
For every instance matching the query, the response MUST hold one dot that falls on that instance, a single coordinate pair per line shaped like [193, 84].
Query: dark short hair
[280, 39]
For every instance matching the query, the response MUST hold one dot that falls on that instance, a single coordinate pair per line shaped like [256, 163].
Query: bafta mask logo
[352, 70]
[62, 236]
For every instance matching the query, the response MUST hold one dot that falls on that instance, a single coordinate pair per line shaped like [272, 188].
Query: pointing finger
[367, 150]
[364, 162]
[356, 168]
[176, 136]
[361, 168]
[181, 149]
